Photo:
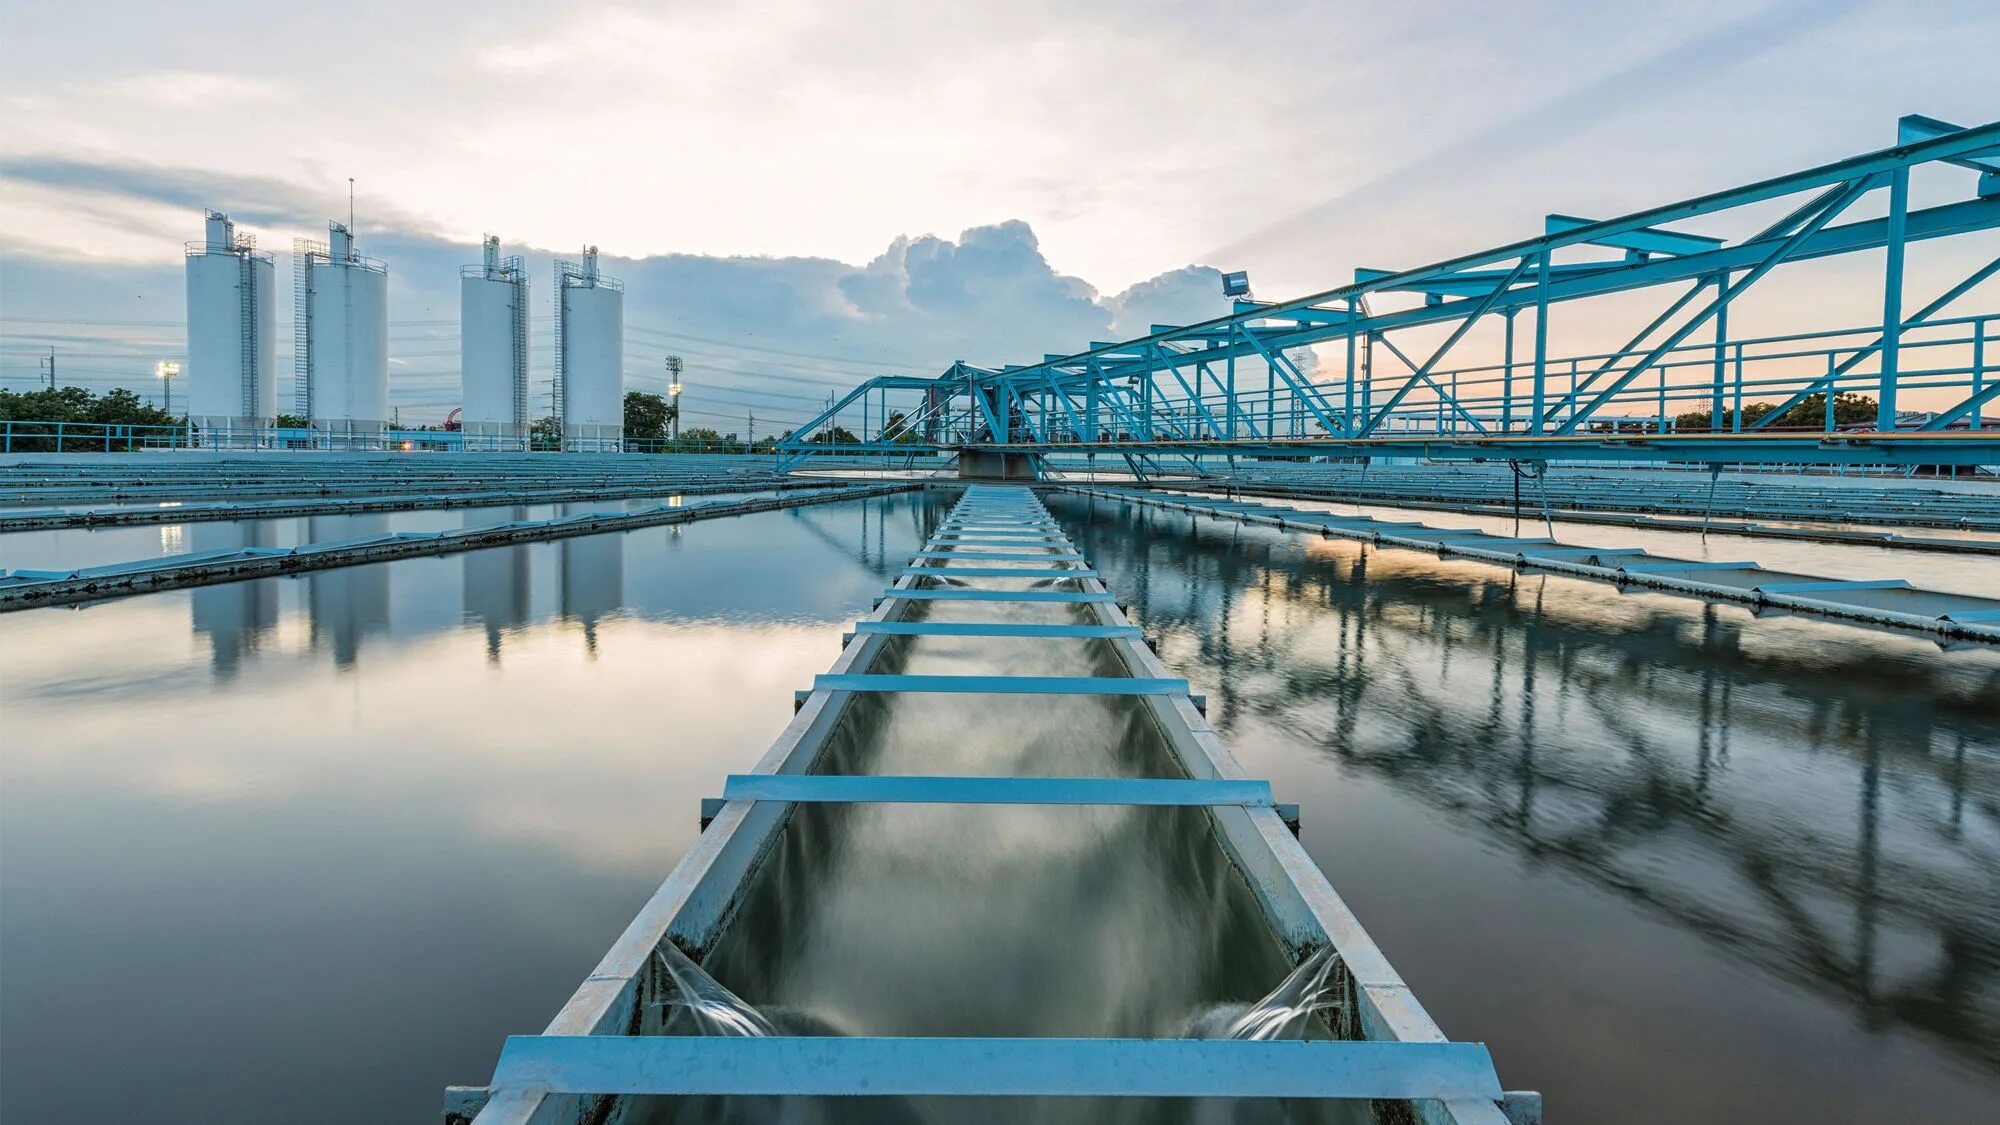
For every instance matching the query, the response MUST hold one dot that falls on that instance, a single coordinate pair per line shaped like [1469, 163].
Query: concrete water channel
[1669, 859]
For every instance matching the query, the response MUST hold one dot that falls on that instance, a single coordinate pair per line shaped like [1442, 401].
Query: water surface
[1673, 862]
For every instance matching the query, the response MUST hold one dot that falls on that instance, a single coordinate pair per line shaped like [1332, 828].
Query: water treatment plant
[1550, 680]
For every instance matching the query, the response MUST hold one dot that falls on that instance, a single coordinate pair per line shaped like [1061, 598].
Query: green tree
[1810, 413]
[835, 435]
[646, 416]
[899, 431]
[290, 422]
[545, 433]
[701, 439]
[75, 406]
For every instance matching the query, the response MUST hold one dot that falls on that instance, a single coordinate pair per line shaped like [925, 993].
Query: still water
[306, 849]
[1671, 861]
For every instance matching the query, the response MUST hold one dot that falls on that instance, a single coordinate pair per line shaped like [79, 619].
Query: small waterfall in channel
[699, 1005]
[1286, 1012]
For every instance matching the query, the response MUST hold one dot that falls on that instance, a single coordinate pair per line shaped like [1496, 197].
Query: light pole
[674, 394]
[166, 371]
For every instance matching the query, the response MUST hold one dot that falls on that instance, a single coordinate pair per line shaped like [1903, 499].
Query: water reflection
[593, 579]
[383, 872]
[349, 603]
[583, 580]
[498, 586]
[237, 617]
[1818, 804]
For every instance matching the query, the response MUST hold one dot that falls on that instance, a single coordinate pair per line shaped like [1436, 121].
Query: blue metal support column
[1892, 299]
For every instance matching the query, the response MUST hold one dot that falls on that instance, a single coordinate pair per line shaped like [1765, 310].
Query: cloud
[770, 334]
[1557, 119]
[207, 89]
[252, 200]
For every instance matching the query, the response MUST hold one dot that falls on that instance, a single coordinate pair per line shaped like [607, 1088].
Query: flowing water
[1009, 921]
[308, 849]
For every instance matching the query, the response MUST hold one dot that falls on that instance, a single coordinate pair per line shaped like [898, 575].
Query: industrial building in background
[493, 351]
[231, 327]
[340, 348]
[590, 356]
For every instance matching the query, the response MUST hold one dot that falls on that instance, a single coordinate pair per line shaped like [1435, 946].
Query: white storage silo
[341, 341]
[231, 325]
[493, 351]
[590, 356]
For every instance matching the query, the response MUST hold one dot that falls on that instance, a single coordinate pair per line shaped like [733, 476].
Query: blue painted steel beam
[823, 788]
[858, 1066]
[985, 629]
[1646, 240]
[1002, 685]
[976, 595]
[989, 532]
[1054, 541]
[994, 572]
[999, 556]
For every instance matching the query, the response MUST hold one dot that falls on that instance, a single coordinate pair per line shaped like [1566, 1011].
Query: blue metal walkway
[590, 1049]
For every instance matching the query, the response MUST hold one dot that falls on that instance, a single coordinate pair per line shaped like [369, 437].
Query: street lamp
[166, 371]
[674, 392]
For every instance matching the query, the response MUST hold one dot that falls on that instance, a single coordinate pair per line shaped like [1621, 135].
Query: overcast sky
[889, 184]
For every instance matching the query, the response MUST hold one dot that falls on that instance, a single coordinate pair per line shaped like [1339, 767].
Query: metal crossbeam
[859, 1065]
[994, 572]
[1000, 556]
[962, 594]
[1001, 685]
[1054, 541]
[822, 788]
[983, 629]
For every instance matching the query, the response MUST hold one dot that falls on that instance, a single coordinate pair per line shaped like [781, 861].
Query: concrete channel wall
[1892, 603]
[26, 589]
[55, 518]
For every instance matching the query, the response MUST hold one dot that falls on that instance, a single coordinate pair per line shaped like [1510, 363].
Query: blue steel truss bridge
[1438, 361]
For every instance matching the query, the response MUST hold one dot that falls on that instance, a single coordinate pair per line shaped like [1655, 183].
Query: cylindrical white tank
[590, 334]
[493, 351]
[232, 322]
[347, 306]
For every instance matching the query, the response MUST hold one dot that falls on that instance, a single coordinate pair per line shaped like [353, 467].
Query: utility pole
[750, 445]
[52, 367]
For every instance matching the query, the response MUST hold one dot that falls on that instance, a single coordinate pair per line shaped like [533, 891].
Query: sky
[802, 194]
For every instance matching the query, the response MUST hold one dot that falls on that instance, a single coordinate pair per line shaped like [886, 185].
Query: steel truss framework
[1236, 385]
